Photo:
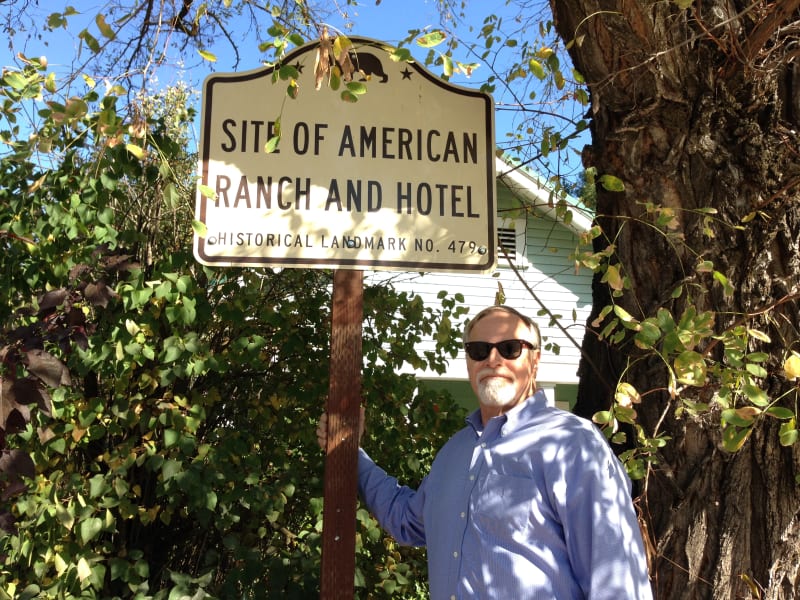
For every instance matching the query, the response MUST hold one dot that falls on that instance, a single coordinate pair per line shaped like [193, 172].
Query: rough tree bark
[693, 108]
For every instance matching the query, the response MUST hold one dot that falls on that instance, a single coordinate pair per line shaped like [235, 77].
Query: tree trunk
[696, 109]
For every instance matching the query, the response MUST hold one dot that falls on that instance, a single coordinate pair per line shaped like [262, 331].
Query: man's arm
[601, 529]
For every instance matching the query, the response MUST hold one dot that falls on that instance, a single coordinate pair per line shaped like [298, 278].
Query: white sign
[401, 179]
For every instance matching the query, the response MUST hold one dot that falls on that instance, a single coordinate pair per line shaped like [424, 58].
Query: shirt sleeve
[398, 508]
[602, 533]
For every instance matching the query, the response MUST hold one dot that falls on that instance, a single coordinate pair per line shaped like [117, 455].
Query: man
[525, 502]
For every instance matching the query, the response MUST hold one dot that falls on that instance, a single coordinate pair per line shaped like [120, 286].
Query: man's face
[501, 383]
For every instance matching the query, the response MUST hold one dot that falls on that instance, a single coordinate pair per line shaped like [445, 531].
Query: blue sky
[389, 22]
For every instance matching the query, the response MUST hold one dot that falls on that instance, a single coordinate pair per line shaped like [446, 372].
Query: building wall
[549, 281]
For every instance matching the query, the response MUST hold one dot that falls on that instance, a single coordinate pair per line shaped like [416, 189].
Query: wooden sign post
[341, 462]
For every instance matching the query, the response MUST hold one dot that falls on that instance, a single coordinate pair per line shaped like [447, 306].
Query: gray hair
[529, 323]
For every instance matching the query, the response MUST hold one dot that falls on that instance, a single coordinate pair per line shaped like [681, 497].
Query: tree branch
[780, 12]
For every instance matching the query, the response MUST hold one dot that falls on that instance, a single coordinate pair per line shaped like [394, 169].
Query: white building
[541, 247]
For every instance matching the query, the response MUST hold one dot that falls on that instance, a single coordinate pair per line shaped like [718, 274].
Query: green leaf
[624, 315]
[272, 144]
[737, 417]
[66, 515]
[88, 529]
[612, 183]
[400, 55]
[104, 28]
[98, 486]
[56, 20]
[15, 80]
[90, 40]
[733, 438]
[171, 437]
[171, 195]
[756, 395]
[788, 434]
[648, 335]
[357, 87]
[690, 368]
[779, 412]
[170, 469]
[288, 72]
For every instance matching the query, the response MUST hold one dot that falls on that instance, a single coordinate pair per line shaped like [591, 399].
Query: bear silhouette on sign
[368, 64]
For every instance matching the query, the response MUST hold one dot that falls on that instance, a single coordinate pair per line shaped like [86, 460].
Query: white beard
[496, 392]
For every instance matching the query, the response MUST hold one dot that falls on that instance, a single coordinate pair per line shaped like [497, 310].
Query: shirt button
[483, 445]
[455, 554]
[453, 597]
[472, 477]
[463, 515]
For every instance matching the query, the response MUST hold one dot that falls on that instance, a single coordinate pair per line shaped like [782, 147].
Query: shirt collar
[510, 420]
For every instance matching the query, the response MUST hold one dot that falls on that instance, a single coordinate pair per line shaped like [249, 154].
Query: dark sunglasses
[508, 349]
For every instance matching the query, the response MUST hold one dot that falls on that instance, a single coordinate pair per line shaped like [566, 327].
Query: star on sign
[406, 73]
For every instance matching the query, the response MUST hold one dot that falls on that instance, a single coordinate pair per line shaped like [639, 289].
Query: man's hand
[322, 429]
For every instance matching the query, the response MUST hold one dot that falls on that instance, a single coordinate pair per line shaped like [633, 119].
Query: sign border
[333, 263]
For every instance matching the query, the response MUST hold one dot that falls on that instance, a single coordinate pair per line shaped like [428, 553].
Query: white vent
[506, 242]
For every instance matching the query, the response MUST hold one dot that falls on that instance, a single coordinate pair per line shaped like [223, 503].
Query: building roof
[537, 193]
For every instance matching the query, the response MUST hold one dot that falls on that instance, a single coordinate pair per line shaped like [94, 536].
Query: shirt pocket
[504, 505]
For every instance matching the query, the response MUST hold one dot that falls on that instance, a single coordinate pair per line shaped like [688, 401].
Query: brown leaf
[322, 62]
[48, 368]
[98, 293]
[14, 465]
[119, 263]
[28, 391]
[77, 272]
[52, 299]
[11, 418]
[7, 524]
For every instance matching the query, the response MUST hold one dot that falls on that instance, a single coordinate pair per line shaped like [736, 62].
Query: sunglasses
[508, 349]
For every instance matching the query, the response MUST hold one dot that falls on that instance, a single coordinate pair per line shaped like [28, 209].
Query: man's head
[502, 357]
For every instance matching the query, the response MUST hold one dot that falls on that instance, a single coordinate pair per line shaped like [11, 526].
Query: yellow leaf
[199, 228]
[207, 191]
[447, 64]
[60, 564]
[792, 366]
[84, 570]
[613, 277]
[37, 184]
[78, 432]
[626, 395]
[209, 56]
[434, 38]
[137, 151]
[759, 335]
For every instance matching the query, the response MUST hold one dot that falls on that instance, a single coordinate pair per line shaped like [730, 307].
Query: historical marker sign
[402, 179]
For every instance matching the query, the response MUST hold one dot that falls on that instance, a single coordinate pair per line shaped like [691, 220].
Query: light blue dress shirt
[532, 506]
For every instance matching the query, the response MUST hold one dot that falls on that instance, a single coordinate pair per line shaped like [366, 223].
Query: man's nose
[494, 357]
